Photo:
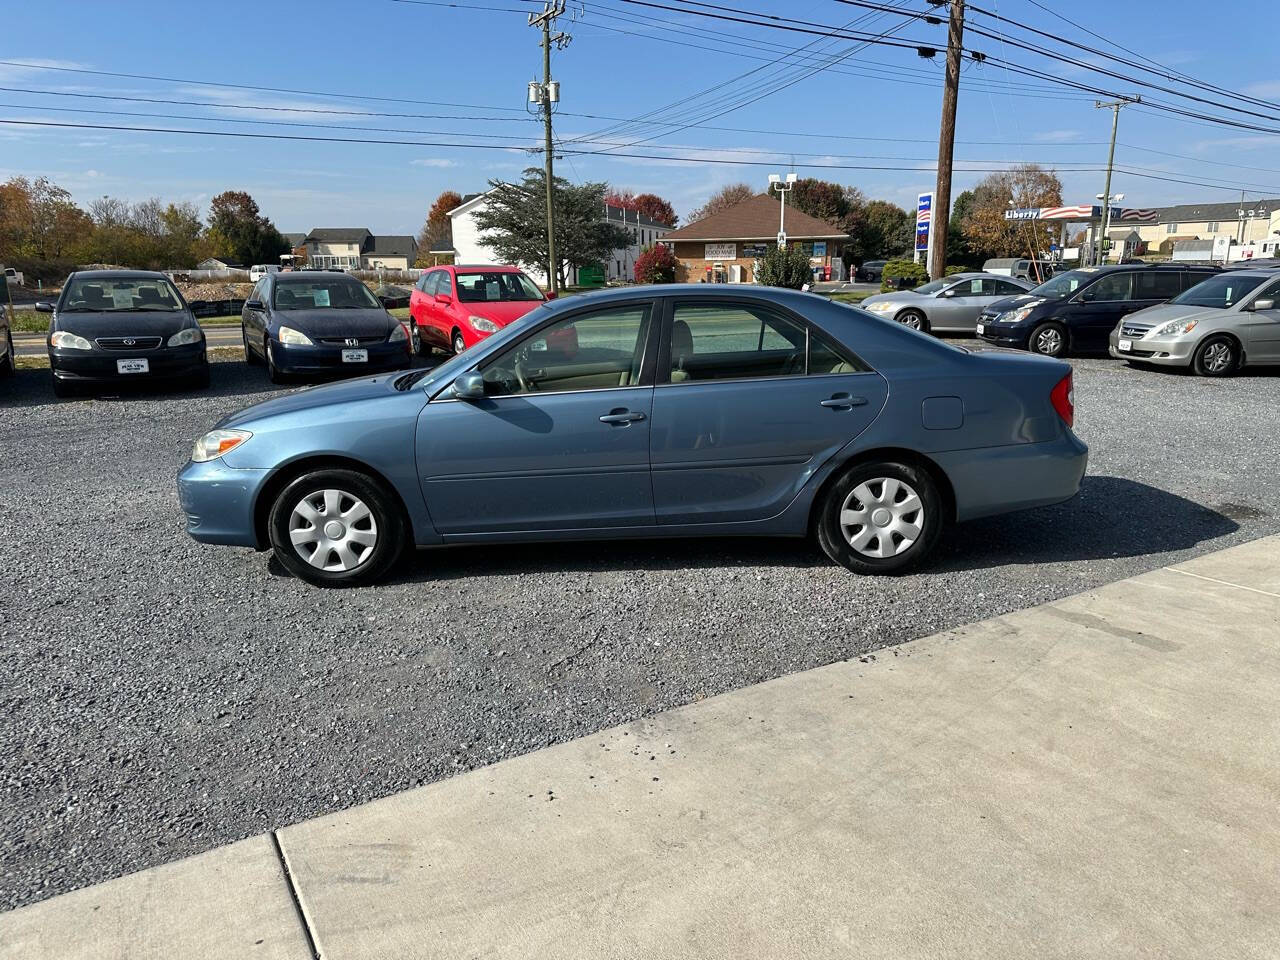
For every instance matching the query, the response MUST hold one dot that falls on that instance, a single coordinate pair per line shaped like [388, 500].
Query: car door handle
[622, 417]
[841, 402]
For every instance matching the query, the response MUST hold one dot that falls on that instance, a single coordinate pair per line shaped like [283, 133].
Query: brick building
[723, 248]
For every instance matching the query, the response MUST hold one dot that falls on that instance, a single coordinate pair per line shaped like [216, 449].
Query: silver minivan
[1226, 322]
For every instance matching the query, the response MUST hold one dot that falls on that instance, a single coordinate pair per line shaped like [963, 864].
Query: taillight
[1063, 398]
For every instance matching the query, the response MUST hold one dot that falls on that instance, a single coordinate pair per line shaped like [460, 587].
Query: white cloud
[434, 162]
[1057, 136]
[1265, 89]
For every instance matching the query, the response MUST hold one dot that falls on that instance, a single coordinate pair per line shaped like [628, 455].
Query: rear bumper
[1166, 351]
[218, 502]
[995, 480]
[326, 359]
[167, 363]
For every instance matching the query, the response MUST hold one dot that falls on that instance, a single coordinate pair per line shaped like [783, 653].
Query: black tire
[914, 319]
[273, 372]
[837, 541]
[1049, 339]
[420, 348]
[250, 358]
[386, 522]
[459, 345]
[63, 389]
[202, 379]
[10, 365]
[1217, 356]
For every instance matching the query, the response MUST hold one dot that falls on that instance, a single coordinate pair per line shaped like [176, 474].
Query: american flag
[1066, 213]
[922, 216]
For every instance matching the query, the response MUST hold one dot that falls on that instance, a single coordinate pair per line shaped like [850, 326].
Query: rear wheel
[1216, 357]
[1049, 339]
[914, 319]
[337, 528]
[880, 518]
[10, 365]
[459, 345]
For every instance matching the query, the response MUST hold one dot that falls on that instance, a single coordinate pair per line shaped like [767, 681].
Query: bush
[956, 268]
[656, 264]
[902, 275]
[784, 267]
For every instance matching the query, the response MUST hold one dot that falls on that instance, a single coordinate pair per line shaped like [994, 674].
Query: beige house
[355, 248]
[1206, 221]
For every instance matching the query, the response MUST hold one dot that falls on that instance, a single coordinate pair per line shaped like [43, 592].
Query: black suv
[1077, 310]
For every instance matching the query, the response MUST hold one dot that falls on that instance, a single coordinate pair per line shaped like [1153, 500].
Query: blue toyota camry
[666, 411]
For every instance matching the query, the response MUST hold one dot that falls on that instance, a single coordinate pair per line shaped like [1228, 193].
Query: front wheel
[1216, 357]
[417, 347]
[1048, 339]
[273, 372]
[914, 319]
[336, 528]
[880, 518]
[10, 365]
[459, 345]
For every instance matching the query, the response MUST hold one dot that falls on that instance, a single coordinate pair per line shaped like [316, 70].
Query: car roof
[1117, 267]
[491, 267]
[1262, 272]
[118, 275]
[309, 276]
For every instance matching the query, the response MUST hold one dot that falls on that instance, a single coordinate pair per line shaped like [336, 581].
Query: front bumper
[1166, 351]
[164, 363]
[218, 502]
[994, 480]
[323, 358]
[1004, 334]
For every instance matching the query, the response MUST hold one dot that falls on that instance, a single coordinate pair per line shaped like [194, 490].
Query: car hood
[500, 312]
[1164, 312]
[1013, 303]
[130, 323]
[337, 323]
[344, 391]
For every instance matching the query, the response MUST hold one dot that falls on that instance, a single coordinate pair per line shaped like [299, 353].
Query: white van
[260, 270]
[1021, 269]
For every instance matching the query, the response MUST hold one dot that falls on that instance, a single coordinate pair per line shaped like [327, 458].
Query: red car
[455, 307]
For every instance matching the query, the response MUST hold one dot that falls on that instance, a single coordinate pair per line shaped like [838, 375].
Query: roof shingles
[756, 219]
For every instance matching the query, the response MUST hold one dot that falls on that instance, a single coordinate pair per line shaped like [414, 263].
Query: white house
[469, 247]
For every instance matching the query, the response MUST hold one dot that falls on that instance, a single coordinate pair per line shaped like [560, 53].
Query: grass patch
[33, 363]
[400, 313]
[853, 296]
[229, 321]
[28, 321]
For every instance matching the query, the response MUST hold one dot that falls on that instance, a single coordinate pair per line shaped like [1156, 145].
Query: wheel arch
[290, 471]
[896, 454]
[1226, 335]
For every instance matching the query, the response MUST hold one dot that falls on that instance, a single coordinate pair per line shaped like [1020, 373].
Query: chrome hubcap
[882, 517]
[912, 321]
[459, 345]
[1217, 357]
[333, 530]
[1049, 341]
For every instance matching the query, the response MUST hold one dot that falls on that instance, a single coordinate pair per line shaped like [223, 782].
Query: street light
[783, 187]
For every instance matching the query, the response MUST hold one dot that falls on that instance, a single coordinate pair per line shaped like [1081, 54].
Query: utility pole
[941, 215]
[545, 94]
[1114, 106]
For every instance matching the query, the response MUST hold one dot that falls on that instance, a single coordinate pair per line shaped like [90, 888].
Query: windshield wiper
[407, 380]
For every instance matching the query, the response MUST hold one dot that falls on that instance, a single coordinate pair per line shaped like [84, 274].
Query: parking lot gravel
[159, 697]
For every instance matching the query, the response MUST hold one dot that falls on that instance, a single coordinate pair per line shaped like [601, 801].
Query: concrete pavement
[1098, 776]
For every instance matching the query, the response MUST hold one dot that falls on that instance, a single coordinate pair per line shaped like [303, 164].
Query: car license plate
[979, 329]
[1125, 345]
[141, 365]
[355, 356]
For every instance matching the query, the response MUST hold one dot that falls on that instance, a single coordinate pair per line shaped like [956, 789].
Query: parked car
[260, 270]
[1036, 271]
[9, 362]
[950, 305]
[1077, 310]
[455, 307]
[114, 326]
[308, 324]
[1221, 324]
[661, 411]
[871, 271]
[14, 276]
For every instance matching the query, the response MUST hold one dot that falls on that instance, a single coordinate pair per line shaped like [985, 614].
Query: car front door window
[1111, 289]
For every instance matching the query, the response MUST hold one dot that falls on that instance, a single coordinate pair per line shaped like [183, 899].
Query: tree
[513, 223]
[656, 264]
[648, 204]
[1026, 185]
[882, 229]
[437, 231]
[784, 267]
[723, 199]
[235, 217]
[820, 198]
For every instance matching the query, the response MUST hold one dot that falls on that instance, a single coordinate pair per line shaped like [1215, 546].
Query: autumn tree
[822, 199]
[656, 264]
[235, 217]
[1026, 185]
[723, 199]
[647, 204]
[437, 230]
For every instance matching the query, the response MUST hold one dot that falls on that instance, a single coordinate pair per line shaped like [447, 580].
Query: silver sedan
[949, 305]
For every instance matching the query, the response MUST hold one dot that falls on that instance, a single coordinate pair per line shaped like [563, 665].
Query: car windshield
[120, 295]
[1222, 291]
[934, 286]
[331, 293]
[1063, 285]
[493, 285]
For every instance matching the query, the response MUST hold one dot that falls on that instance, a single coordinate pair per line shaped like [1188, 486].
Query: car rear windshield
[1063, 285]
[494, 285]
[120, 295]
[327, 294]
[1221, 291]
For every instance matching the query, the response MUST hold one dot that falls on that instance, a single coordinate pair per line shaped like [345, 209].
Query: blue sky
[878, 107]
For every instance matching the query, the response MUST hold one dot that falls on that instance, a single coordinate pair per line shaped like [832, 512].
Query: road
[160, 697]
[33, 345]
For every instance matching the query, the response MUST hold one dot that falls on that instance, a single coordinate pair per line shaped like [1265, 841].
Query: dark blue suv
[1077, 310]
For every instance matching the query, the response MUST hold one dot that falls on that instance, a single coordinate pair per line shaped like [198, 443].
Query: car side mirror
[469, 386]
[44, 306]
[1266, 304]
[444, 298]
[949, 292]
[253, 304]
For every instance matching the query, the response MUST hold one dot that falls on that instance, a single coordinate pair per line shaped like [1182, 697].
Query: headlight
[881, 307]
[217, 442]
[296, 337]
[1013, 316]
[69, 341]
[1174, 328]
[483, 324]
[398, 334]
[184, 337]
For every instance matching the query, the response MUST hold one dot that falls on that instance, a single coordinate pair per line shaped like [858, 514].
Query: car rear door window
[1191, 277]
[592, 351]
[1000, 288]
[1156, 284]
[731, 341]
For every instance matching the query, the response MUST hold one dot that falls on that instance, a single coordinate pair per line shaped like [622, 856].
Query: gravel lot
[159, 697]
